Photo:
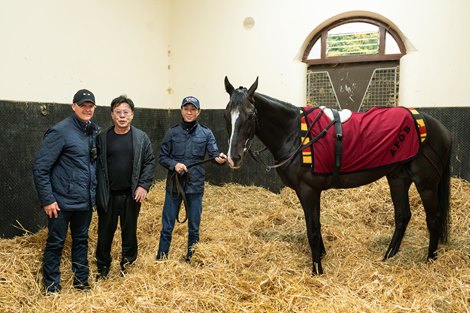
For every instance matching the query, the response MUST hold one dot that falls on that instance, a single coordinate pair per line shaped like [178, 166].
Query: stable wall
[52, 48]
[25, 124]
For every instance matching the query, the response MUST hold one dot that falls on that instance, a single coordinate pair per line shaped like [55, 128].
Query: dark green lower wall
[25, 123]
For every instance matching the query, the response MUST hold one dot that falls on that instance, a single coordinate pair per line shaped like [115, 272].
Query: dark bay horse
[277, 123]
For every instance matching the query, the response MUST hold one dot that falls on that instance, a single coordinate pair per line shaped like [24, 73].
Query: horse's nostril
[236, 157]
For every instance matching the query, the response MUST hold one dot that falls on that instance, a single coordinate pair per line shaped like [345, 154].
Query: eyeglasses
[125, 113]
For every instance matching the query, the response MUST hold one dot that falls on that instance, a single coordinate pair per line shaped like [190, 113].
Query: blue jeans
[169, 214]
[79, 223]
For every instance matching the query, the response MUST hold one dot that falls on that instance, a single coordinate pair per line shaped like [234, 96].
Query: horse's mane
[290, 108]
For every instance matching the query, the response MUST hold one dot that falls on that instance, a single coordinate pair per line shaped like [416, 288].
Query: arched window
[353, 63]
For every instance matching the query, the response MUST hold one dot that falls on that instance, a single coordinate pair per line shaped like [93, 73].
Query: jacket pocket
[178, 146]
[199, 147]
[78, 187]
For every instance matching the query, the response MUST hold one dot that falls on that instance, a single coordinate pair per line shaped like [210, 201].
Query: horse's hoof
[386, 257]
[317, 269]
[432, 256]
[390, 253]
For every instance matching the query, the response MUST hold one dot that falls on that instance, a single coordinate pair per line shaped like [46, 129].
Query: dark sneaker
[54, 289]
[81, 286]
[124, 268]
[161, 257]
[103, 273]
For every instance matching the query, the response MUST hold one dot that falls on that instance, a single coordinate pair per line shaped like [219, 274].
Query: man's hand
[180, 168]
[221, 159]
[52, 210]
[140, 194]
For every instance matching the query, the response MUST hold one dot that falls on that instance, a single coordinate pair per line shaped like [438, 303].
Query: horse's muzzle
[234, 164]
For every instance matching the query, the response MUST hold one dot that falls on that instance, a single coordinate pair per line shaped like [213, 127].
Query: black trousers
[123, 207]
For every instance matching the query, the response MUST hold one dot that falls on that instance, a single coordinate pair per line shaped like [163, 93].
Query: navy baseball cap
[191, 100]
[82, 96]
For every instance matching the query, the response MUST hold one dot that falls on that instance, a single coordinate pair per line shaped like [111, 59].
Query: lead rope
[175, 177]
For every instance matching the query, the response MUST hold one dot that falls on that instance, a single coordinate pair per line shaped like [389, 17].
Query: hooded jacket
[63, 169]
[143, 167]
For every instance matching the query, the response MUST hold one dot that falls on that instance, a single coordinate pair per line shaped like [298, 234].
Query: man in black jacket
[64, 175]
[125, 172]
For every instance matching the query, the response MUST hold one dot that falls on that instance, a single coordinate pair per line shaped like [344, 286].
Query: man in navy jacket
[184, 145]
[65, 179]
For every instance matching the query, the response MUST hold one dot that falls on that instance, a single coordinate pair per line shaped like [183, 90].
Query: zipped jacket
[188, 147]
[143, 167]
[63, 169]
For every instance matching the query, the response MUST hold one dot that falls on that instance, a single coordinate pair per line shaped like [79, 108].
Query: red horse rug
[376, 138]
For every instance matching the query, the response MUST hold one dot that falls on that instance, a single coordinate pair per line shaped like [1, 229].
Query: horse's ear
[253, 87]
[228, 86]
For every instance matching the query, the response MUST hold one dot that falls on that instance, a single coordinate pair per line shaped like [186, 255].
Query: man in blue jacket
[183, 146]
[64, 175]
[125, 172]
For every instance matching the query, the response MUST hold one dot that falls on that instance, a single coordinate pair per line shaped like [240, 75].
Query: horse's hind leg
[399, 187]
[432, 183]
[429, 196]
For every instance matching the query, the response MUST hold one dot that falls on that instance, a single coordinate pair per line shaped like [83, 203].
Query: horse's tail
[444, 201]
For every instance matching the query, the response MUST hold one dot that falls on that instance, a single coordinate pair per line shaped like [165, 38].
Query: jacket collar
[189, 126]
[83, 126]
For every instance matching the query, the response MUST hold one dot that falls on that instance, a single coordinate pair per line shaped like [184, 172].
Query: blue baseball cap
[191, 100]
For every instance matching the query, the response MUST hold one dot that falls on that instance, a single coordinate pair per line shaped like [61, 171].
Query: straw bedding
[254, 257]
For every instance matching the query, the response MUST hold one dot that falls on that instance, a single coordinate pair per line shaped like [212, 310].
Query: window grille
[382, 89]
[320, 90]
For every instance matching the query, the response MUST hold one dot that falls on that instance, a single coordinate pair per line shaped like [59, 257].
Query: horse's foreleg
[310, 201]
[399, 188]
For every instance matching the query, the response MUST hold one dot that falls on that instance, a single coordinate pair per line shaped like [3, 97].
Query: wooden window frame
[381, 56]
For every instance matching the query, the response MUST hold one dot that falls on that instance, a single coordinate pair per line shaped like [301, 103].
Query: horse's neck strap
[308, 141]
[305, 142]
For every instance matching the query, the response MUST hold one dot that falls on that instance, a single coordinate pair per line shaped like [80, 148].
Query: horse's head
[240, 116]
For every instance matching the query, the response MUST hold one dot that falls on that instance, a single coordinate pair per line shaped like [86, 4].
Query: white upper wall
[51, 48]
[158, 51]
[208, 41]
